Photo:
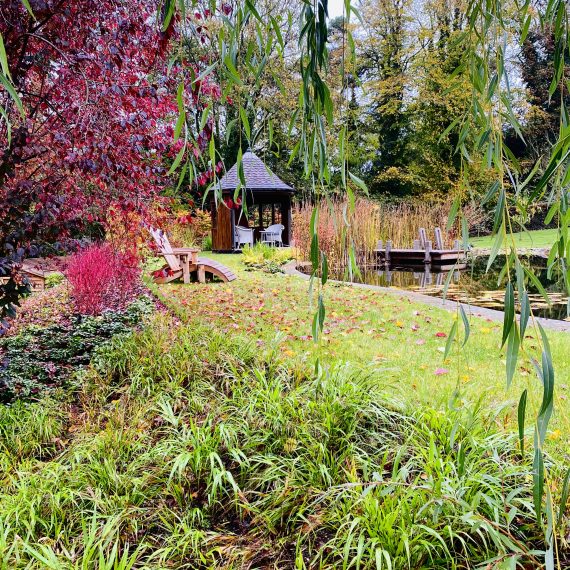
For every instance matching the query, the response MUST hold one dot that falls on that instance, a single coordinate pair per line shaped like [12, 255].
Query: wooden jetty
[422, 251]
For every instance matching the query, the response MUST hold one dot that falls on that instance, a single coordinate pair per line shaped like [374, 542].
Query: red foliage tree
[99, 109]
[96, 126]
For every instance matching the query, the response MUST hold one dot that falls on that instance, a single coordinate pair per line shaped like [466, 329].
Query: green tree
[383, 62]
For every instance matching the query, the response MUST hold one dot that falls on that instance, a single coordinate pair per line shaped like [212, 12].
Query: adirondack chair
[182, 261]
[273, 234]
[178, 260]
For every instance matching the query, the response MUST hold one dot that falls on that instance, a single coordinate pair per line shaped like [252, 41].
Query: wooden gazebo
[268, 202]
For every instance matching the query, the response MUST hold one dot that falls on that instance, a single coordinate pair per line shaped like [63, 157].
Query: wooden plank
[217, 269]
[168, 277]
[222, 228]
[438, 238]
[423, 238]
[166, 249]
[185, 269]
[427, 257]
[201, 273]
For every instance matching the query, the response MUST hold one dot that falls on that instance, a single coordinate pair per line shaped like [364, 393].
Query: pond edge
[290, 268]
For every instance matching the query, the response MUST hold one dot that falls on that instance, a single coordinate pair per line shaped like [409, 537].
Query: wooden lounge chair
[183, 261]
[177, 261]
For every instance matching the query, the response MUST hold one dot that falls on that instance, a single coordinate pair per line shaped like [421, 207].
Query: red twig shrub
[102, 277]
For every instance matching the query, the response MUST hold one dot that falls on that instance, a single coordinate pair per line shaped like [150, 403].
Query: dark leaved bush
[39, 359]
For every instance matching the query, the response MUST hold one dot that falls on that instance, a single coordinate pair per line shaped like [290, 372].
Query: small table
[186, 256]
[269, 237]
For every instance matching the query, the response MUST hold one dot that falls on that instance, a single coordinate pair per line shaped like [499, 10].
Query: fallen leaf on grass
[440, 334]
[554, 435]
[441, 371]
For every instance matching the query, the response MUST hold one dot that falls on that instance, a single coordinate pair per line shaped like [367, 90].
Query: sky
[335, 8]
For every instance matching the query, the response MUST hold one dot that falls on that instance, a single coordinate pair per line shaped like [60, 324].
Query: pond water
[470, 284]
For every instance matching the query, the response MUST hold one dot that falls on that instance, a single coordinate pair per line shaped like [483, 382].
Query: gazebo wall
[223, 223]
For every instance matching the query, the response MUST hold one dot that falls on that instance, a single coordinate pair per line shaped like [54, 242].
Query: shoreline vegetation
[164, 409]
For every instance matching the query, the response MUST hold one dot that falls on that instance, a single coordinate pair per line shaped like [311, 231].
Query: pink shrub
[101, 278]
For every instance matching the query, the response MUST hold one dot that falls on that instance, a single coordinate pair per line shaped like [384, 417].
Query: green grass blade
[564, 497]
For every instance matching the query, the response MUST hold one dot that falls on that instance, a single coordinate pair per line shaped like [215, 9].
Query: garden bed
[48, 343]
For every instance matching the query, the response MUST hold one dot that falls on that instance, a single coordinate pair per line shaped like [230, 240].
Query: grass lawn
[402, 342]
[528, 239]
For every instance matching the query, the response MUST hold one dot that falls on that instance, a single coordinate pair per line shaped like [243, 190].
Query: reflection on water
[471, 284]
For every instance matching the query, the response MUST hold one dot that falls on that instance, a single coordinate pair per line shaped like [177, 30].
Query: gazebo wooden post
[286, 218]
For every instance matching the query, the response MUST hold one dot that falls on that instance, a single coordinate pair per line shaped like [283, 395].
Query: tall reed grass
[368, 222]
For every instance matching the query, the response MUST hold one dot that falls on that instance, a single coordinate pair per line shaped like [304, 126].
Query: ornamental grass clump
[190, 449]
[266, 257]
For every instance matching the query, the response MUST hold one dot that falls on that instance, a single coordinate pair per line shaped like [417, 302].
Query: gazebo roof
[257, 176]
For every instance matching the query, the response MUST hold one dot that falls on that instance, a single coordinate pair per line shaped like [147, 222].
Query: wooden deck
[422, 252]
[418, 256]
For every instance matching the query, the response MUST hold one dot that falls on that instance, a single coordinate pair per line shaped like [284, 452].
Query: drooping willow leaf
[521, 414]
[450, 339]
[509, 313]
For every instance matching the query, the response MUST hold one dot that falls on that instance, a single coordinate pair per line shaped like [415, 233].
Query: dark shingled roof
[257, 176]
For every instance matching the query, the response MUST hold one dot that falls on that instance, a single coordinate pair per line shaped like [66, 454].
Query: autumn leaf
[554, 435]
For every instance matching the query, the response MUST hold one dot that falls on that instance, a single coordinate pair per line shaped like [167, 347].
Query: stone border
[526, 251]
[447, 305]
